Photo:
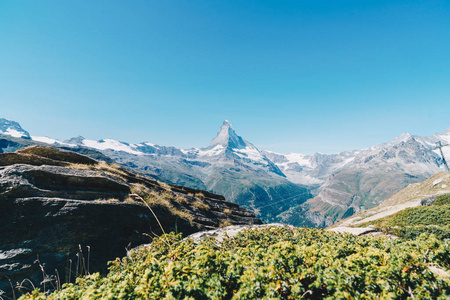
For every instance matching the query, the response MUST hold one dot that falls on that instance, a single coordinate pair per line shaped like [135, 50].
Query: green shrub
[442, 200]
[412, 232]
[272, 263]
[422, 215]
[412, 222]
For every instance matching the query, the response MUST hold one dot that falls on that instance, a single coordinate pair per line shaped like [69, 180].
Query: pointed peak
[228, 138]
[75, 140]
[226, 124]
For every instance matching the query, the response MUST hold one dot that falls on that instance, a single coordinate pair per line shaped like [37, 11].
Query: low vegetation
[412, 222]
[164, 198]
[442, 200]
[438, 215]
[273, 263]
[110, 169]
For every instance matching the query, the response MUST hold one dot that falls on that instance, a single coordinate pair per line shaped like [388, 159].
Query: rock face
[67, 212]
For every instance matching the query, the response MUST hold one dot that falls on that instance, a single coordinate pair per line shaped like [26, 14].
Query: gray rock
[230, 231]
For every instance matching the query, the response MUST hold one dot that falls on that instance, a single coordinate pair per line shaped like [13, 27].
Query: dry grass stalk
[224, 223]
[201, 205]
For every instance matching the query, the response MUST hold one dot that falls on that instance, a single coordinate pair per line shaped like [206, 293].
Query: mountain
[13, 129]
[230, 166]
[304, 190]
[227, 138]
[413, 195]
[350, 182]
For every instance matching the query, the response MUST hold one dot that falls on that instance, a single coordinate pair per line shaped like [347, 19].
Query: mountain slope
[353, 181]
[411, 196]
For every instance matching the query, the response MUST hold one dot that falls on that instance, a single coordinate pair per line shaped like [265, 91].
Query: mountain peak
[228, 138]
[402, 138]
[75, 140]
[13, 129]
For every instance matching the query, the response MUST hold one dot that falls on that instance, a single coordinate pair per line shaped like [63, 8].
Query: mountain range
[303, 190]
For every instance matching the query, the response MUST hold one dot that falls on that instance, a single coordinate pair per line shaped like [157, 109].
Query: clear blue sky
[291, 76]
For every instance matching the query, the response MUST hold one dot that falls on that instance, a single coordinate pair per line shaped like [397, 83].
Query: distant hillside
[420, 208]
[351, 182]
[411, 196]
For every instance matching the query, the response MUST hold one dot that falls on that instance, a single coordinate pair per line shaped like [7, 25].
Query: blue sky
[291, 76]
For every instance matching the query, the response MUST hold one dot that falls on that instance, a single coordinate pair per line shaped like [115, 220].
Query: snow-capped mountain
[13, 129]
[277, 185]
[230, 166]
[227, 138]
[226, 148]
[349, 182]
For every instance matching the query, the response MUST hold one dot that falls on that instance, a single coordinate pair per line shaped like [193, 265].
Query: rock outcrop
[63, 214]
[230, 231]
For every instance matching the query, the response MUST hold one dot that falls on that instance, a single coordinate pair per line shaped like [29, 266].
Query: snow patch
[301, 159]
[436, 182]
[250, 153]
[211, 152]
[47, 140]
[111, 145]
[14, 133]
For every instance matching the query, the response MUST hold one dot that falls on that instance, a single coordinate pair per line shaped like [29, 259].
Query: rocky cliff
[64, 214]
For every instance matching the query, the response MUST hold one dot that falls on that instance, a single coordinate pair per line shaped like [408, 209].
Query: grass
[377, 222]
[422, 215]
[224, 223]
[165, 199]
[414, 221]
[200, 196]
[181, 200]
[201, 205]
[110, 169]
[165, 186]
[108, 200]
[227, 211]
